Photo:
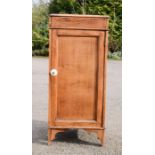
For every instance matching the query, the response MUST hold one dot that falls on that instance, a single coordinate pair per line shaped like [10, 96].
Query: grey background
[78, 143]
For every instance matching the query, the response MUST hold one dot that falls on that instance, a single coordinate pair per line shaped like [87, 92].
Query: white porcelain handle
[54, 72]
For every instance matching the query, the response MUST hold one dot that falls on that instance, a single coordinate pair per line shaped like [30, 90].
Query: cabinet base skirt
[52, 131]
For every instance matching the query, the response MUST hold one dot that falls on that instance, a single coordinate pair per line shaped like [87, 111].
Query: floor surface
[85, 144]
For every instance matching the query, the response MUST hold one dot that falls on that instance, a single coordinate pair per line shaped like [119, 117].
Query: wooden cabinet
[77, 72]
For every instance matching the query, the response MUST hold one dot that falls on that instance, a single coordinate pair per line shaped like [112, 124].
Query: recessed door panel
[77, 78]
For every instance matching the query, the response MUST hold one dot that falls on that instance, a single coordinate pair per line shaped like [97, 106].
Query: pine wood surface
[77, 94]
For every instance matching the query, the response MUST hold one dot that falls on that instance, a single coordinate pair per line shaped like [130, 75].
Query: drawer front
[79, 22]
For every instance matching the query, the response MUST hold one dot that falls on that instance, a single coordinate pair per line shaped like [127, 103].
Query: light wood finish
[78, 15]
[77, 94]
[75, 127]
[80, 63]
[78, 22]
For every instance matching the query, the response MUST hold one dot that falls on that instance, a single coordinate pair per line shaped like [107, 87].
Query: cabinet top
[78, 15]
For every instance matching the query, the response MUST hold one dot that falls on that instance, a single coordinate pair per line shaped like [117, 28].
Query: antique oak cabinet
[77, 73]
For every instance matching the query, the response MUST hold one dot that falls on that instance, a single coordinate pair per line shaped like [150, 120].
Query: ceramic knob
[54, 72]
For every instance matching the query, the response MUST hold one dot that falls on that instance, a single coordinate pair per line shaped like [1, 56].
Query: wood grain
[77, 95]
[77, 78]
[78, 15]
[79, 22]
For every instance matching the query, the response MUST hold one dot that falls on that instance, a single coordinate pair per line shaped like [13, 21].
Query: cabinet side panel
[105, 75]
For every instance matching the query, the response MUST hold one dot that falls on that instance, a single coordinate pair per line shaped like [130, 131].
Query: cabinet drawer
[78, 22]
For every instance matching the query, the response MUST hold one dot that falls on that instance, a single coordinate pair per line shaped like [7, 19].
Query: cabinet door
[76, 92]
